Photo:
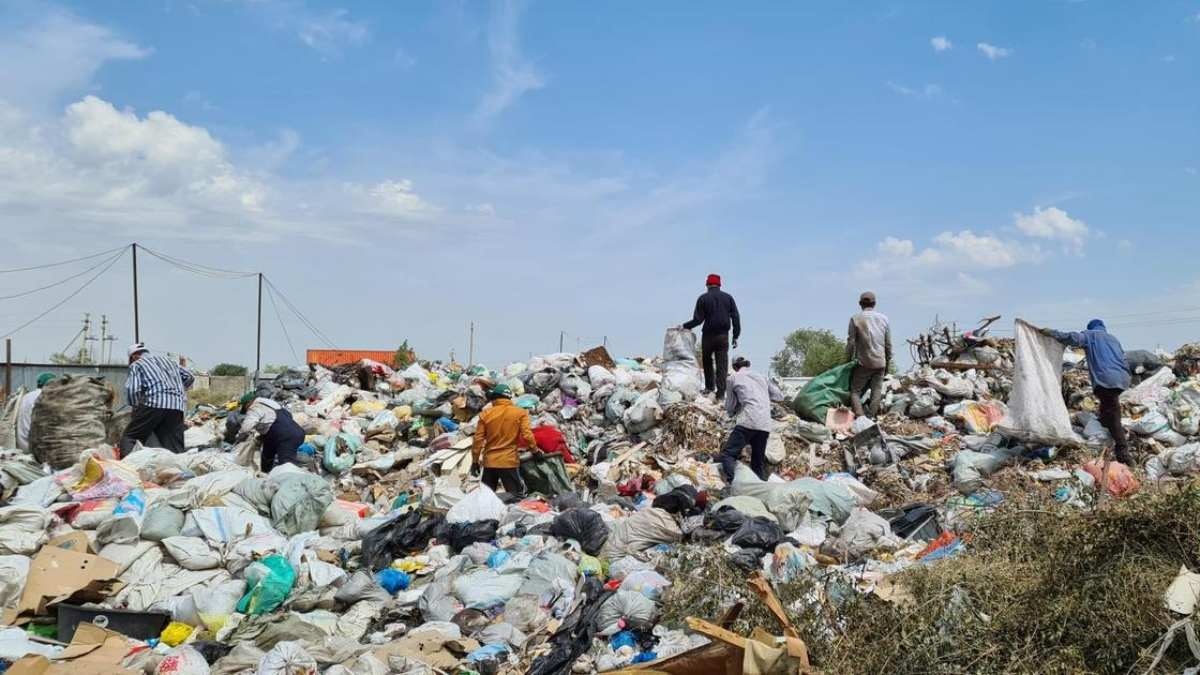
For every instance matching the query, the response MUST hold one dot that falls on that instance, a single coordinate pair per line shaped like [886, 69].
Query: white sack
[1036, 411]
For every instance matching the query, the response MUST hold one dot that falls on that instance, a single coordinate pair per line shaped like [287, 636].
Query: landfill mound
[943, 536]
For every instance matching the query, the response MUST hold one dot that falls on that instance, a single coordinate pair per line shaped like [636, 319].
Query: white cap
[137, 348]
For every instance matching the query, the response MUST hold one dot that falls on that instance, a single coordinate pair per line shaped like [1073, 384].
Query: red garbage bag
[552, 440]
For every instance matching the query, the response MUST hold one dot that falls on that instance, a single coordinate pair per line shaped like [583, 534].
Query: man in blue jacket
[1110, 376]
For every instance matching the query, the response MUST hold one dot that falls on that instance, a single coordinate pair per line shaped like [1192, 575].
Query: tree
[61, 359]
[223, 369]
[405, 356]
[808, 352]
[274, 368]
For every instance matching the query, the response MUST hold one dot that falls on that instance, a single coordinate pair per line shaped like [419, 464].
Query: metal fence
[25, 374]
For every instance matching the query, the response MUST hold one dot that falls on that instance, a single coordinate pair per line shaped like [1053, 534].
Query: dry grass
[1043, 588]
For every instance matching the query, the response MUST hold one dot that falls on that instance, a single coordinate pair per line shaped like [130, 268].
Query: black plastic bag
[463, 535]
[566, 501]
[726, 519]
[746, 559]
[584, 526]
[574, 636]
[758, 533]
[398, 537]
[212, 651]
[678, 501]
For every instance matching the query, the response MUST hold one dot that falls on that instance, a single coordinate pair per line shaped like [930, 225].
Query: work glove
[735, 344]
[476, 470]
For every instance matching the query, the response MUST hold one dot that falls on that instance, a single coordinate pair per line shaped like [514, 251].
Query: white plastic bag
[1036, 411]
[287, 658]
[479, 505]
[183, 660]
[486, 588]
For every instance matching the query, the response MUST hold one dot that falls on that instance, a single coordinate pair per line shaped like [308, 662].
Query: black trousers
[166, 425]
[1110, 417]
[714, 352]
[739, 438]
[513, 484]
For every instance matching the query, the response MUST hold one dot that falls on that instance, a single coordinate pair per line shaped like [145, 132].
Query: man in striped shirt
[157, 392]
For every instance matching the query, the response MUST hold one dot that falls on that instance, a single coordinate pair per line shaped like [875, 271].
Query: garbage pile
[380, 551]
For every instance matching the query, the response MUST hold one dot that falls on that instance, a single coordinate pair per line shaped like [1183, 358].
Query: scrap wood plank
[796, 646]
[716, 632]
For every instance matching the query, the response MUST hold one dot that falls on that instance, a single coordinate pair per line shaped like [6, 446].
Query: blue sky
[399, 169]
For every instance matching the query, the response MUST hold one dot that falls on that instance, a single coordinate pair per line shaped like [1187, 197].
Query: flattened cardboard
[56, 574]
[93, 650]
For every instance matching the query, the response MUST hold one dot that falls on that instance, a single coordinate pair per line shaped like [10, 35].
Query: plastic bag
[462, 535]
[679, 344]
[397, 538]
[1119, 480]
[339, 453]
[759, 533]
[637, 610]
[22, 529]
[644, 414]
[487, 588]
[269, 582]
[183, 660]
[215, 604]
[299, 502]
[542, 572]
[192, 553]
[862, 533]
[642, 530]
[647, 582]
[480, 504]
[584, 526]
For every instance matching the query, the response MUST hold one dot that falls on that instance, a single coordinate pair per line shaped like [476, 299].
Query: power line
[300, 315]
[60, 281]
[62, 302]
[197, 268]
[271, 297]
[63, 262]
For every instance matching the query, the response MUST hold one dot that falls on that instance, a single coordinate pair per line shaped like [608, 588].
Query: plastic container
[138, 625]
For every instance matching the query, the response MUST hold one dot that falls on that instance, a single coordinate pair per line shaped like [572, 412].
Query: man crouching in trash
[748, 401]
[281, 435]
[1110, 376]
[501, 428]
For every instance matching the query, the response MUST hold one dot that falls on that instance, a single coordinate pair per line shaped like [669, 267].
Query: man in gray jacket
[748, 402]
[869, 346]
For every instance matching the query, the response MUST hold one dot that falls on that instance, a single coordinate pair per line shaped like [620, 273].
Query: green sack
[827, 390]
[268, 583]
[545, 474]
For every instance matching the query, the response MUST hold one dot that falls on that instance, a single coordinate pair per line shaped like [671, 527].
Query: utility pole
[137, 333]
[103, 337]
[7, 367]
[471, 348]
[85, 349]
[606, 342]
[106, 342]
[258, 348]
[561, 334]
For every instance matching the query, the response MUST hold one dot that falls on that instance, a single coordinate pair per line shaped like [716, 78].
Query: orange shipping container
[338, 357]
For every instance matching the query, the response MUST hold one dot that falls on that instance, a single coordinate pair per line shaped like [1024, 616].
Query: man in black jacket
[718, 312]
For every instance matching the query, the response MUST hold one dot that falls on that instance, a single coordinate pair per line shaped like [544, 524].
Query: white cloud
[1053, 223]
[56, 54]
[941, 43]
[392, 199]
[512, 75]
[1124, 246]
[896, 247]
[928, 91]
[992, 51]
[1191, 170]
[324, 31]
[1169, 58]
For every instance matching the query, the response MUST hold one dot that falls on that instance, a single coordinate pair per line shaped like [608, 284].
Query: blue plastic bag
[393, 581]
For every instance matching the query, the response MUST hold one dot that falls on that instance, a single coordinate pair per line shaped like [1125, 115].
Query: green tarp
[827, 390]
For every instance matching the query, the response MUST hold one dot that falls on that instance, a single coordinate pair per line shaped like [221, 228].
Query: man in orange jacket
[501, 429]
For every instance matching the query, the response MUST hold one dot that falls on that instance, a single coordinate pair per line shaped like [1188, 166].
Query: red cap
[713, 280]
